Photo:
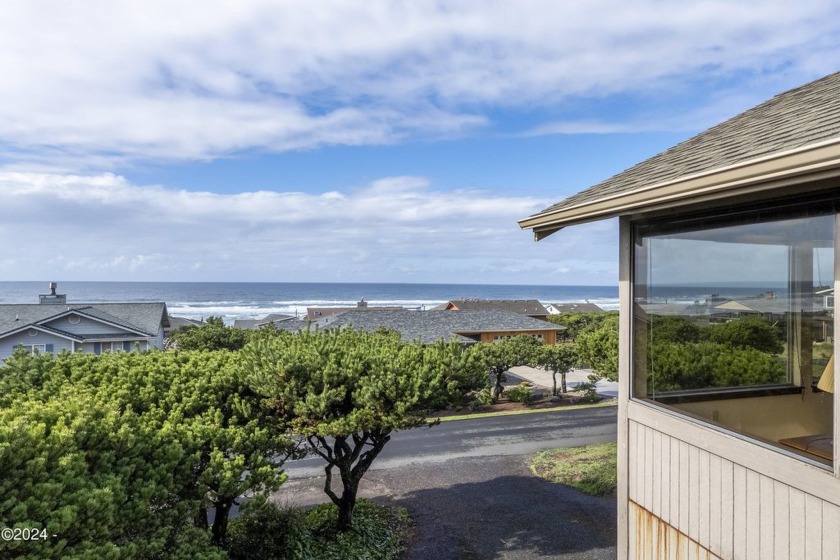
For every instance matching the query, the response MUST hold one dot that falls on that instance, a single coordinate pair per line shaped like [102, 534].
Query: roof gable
[142, 318]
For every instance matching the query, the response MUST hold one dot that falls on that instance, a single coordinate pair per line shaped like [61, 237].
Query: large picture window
[733, 322]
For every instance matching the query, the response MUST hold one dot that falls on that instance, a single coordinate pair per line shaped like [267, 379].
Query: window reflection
[733, 322]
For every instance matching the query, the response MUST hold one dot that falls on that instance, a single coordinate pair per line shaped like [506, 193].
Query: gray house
[54, 325]
[728, 450]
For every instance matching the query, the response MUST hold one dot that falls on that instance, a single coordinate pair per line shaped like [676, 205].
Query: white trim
[625, 338]
[31, 348]
[40, 329]
[836, 444]
[808, 163]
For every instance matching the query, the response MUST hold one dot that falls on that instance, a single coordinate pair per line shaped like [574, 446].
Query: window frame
[651, 224]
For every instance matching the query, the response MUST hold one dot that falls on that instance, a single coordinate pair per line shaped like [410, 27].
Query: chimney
[52, 297]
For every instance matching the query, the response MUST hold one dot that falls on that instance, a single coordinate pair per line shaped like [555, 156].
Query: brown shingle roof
[804, 116]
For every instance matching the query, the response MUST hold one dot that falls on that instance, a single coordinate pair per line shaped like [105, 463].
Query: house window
[33, 349]
[113, 346]
[730, 322]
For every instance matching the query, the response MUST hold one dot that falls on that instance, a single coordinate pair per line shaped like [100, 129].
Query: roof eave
[813, 162]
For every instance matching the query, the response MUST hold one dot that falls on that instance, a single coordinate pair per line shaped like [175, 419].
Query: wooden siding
[685, 501]
[655, 539]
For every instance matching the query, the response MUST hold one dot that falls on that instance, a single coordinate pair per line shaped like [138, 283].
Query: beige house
[727, 439]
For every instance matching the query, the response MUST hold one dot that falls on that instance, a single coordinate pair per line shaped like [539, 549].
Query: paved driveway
[486, 506]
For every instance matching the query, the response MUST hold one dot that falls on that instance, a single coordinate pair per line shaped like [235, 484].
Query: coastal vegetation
[505, 354]
[212, 335]
[691, 353]
[265, 531]
[345, 392]
[127, 454]
[558, 359]
[597, 345]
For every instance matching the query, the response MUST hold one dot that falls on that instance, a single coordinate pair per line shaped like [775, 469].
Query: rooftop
[143, 317]
[431, 326]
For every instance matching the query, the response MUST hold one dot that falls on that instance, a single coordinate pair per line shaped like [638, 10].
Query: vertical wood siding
[686, 502]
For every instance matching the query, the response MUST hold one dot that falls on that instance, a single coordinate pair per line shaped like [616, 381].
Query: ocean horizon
[252, 300]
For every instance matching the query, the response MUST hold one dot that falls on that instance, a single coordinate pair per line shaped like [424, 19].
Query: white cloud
[85, 84]
[394, 229]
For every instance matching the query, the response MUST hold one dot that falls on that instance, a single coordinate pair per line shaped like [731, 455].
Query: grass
[590, 469]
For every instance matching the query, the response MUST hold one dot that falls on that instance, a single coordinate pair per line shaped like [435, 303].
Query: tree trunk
[498, 388]
[220, 522]
[563, 382]
[352, 463]
[554, 380]
[346, 507]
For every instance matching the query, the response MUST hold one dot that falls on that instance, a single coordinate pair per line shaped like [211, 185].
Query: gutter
[808, 163]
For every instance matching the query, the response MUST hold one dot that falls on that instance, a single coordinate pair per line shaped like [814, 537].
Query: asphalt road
[519, 434]
[468, 486]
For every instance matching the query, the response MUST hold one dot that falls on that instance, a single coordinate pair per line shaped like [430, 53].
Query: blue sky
[339, 141]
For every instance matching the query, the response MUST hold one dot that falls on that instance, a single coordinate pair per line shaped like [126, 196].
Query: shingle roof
[431, 326]
[801, 117]
[142, 317]
[254, 324]
[584, 307]
[522, 306]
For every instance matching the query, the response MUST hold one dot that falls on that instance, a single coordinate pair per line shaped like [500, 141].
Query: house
[176, 323]
[718, 460]
[254, 324]
[580, 307]
[315, 313]
[467, 327]
[529, 307]
[54, 325]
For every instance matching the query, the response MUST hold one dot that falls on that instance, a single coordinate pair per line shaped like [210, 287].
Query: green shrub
[519, 393]
[265, 531]
[588, 392]
[484, 396]
[378, 533]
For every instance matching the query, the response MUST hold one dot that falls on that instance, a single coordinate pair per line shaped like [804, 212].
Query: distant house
[176, 323]
[254, 324]
[467, 327]
[582, 307]
[724, 452]
[775, 309]
[315, 313]
[54, 325]
[529, 307]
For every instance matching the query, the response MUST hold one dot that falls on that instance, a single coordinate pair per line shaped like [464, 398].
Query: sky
[376, 141]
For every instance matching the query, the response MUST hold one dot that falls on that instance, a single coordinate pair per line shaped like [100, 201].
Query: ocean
[253, 300]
